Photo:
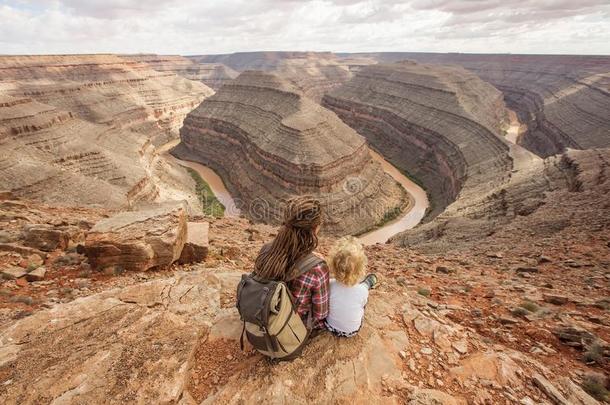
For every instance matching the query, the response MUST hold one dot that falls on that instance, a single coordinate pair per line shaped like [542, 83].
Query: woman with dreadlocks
[279, 260]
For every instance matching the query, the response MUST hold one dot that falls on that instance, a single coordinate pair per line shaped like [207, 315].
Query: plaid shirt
[311, 291]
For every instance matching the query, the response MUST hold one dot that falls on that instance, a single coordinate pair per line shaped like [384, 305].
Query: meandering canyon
[478, 184]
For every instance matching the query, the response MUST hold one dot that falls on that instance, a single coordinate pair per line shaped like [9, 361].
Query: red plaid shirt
[310, 291]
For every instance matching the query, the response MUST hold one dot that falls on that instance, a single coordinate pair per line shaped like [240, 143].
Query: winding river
[407, 220]
[207, 174]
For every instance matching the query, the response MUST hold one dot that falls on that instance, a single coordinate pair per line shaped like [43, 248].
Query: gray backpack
[268, 310]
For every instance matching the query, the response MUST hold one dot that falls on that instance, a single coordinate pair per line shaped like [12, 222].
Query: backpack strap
[303, 265]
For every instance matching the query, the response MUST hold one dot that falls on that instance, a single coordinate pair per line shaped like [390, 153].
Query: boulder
[138, 240]
[36, 274]
[575, 336]
[45, 237]
[22, 250]
[550, 390]
[13, 272]
[555, 299]
[196, 246]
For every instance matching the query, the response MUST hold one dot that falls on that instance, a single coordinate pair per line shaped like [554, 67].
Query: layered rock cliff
[105, 89]
[440, 124]
[82, 129]
[564, 100]
[314, 73]
[213, 75]
[268, 142]
[265, 61]
[314, 76]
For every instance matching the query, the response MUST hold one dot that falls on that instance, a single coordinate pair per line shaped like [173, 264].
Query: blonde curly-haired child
[349, 289]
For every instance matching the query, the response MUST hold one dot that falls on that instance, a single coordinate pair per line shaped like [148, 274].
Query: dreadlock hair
[295, 239]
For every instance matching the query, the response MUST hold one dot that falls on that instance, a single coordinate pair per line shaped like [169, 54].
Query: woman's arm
[320, 295]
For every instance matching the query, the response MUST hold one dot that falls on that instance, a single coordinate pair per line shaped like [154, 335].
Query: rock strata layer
[564, 100]
[83, 128]
[268, 142]
[213, 75]
[138, 240]
[440, 124]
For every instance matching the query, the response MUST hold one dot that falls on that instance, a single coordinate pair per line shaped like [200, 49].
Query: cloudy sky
[224, 26]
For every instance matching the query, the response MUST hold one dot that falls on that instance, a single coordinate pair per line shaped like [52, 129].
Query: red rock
[21, 282]
[45, 237]
[13, 273]
[138, 240]
[36, 274]
[197, 245]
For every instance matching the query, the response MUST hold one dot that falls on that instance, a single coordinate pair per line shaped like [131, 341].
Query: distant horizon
[310, 51]
[206, 27]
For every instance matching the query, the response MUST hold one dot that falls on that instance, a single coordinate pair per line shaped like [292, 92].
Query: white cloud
[214, 26]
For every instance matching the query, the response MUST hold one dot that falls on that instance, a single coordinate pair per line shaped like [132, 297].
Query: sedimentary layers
[439, 124]
[564, 100]
[563, 191]
[314, 73]
[52, 155]
[213, 75]
[265, 61]
[269, 142]
[81, 129]
[314, 76]
[105, 89]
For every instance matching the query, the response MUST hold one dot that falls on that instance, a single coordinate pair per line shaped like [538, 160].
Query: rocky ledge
[268, 142]
[439, 124]
[175, 340]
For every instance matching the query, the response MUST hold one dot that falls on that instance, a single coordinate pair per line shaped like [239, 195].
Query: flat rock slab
[36, 274]
[130, 345]
[197, 244]
[138, 240]
[45, 237]
[13, 272]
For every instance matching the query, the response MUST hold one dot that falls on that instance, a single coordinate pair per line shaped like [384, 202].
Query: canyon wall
[213, 75]
[562, 192]
[269, 142]
[564, 100]
[265, 61]
[313, 73]
[82, 129]
[439, 124]
[105, 89]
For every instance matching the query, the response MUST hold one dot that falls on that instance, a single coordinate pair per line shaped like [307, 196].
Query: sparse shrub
[530, 306]
[390, 215]
[209, 203]
[604, 303]
[423, 291]
[520, 311]
[84, 274]
[593, 384]
[594, 354]
[24, 299]
[5, 291]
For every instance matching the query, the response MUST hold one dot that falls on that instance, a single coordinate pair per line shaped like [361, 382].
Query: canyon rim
[147, 154]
